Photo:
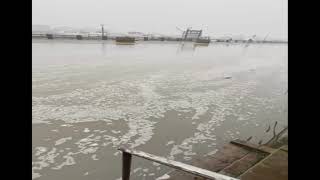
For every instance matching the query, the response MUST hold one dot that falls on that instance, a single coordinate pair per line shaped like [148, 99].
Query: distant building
[191, 34]
[65, 30]
[136, 34]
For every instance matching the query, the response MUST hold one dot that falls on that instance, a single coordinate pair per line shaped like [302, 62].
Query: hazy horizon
[215, 17]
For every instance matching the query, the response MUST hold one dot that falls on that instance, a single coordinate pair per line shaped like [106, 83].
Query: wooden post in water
[126, 165]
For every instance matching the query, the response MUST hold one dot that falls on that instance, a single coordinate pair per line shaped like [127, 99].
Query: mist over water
[215, 17]
[180, 102]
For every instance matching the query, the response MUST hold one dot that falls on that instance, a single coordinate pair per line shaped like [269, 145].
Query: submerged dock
[244, 161]
[236, 160]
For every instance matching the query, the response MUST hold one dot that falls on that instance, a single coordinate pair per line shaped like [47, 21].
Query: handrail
[126, 163]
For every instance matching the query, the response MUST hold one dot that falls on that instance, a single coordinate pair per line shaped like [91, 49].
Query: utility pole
[199, 35]
[186, 34]
[265, 37]
[102, 31]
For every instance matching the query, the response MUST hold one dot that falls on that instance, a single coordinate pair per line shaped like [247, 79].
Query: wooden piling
[126, 165]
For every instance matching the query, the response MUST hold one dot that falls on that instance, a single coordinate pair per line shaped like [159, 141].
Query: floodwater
[168, 99]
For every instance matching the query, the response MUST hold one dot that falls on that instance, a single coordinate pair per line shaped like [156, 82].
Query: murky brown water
[180, 102]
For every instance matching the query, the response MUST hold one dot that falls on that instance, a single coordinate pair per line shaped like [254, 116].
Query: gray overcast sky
[215, 17]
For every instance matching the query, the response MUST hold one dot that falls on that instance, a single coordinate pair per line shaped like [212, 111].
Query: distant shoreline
[160, 39]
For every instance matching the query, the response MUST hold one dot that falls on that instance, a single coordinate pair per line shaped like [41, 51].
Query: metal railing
[128, 153]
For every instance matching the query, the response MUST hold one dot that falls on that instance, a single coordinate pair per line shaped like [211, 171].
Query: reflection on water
[103, 48]
[190, 46]
[91, 97]
[186, 46]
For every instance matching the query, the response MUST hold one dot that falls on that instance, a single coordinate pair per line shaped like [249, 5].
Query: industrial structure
[187, 34]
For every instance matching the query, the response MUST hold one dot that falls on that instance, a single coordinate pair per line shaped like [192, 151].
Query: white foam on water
[66, 125]
[155, 164]
[94, 157]
[43, 159]
[169, 143]
[200, 111]
[137, 169]
[140, 104]
[40, 150]
[163, 177]
[69, 160]
[212, 152]
[115, 132]
[35, 175]
[224, 99]
[62, 140]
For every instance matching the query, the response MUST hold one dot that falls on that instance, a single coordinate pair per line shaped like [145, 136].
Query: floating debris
[274, 128]
[249, 138]
[268, 129]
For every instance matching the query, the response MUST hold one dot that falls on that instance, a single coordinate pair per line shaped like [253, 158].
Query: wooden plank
[274, 167]
[178, 165]
[216, 162]
[251, 146]
[240, 166]
[267, 149]
[285, 148]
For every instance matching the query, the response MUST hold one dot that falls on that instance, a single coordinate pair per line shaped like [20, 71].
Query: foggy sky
[215, 17]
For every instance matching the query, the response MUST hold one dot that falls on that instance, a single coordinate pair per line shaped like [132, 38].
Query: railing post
[126, 165]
